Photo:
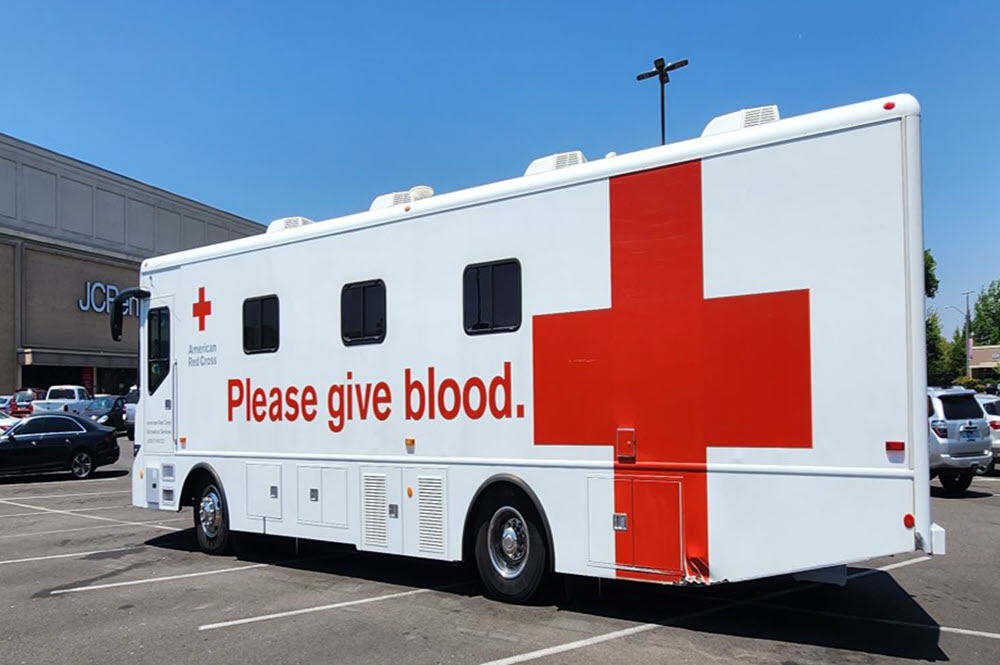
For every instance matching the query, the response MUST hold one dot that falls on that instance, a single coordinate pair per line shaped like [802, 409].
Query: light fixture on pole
[662, 70]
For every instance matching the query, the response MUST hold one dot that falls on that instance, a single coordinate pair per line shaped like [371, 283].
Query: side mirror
[118, 309]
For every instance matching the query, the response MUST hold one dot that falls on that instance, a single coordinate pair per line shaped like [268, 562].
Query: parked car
[958, 440]
[22, 403]
[991, 406]
[57, 442]
[68, 399]
[7, 421]
[106, 410]
[5, 403]
[131, 399]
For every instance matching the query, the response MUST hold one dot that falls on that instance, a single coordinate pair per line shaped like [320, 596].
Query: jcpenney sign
[97, 297]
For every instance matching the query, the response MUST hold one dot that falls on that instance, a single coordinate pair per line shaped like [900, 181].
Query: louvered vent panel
[760, 116]
[430, 495]
[374, 510]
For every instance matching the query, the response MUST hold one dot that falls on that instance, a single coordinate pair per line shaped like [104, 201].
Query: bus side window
[158, 348]
[491, 297]
[362, 312]
[260, 325]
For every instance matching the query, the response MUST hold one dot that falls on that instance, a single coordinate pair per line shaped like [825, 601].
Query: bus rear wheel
[211, 520]
[511, 553]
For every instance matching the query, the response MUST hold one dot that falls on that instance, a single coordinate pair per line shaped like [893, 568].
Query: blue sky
[274, 109]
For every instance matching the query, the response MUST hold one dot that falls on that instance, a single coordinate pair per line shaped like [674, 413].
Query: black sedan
[106, 410]
[58, 442]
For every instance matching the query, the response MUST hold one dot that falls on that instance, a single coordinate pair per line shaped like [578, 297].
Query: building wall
[55, 197]
[65, 223]
[58, 312]
[8, 352]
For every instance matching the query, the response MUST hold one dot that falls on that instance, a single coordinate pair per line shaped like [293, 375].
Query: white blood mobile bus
[696, 363]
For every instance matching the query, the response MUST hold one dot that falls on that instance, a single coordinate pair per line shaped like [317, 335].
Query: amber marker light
[409, 492]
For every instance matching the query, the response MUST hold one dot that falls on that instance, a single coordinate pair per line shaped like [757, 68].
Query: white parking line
[150, 580]
[72, 555]
[89, 517]
[152, 524]
[891, 622]
[28, 497]
[642, 628]
[887, 568]
[308, 610]
[72, 510]
[986, 480]
[75, 481]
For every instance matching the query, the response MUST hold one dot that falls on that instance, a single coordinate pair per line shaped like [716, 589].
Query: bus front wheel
[510, 551]
[211, 520]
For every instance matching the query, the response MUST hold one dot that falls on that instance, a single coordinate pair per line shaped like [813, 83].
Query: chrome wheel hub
[210, 513]
[80, 466]
[507, 542]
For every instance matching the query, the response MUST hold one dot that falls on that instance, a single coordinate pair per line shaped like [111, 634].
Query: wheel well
[198, 476]
[484, 492]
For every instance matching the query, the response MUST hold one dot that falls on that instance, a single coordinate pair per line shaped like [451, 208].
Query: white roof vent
[287, 223]
[398, 198]
[760, 115]
[560, 160]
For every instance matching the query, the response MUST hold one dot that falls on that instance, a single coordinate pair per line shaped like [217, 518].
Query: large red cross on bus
[684, 372]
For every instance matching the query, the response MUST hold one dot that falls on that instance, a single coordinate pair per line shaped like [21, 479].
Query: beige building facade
[984, 361]
[71, 236]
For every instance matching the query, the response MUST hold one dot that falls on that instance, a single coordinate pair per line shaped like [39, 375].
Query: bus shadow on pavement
[871, 615]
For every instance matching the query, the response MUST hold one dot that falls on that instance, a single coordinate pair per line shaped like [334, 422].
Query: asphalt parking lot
[86, 578]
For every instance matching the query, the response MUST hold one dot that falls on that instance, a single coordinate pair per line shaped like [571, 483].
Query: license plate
[969, 435]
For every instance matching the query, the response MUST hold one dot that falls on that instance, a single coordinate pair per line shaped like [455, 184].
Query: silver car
[958, 439]
[991, 405]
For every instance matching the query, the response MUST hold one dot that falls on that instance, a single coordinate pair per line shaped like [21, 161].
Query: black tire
[211, 520]
[131, 433]
[81, 464]
[512, 568]
[956, 484]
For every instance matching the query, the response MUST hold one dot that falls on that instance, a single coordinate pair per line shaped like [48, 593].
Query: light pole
[967, 327]
[661, 69]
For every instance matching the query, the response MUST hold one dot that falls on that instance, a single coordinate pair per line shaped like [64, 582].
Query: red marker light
[908, 521]
[888, 106]
[895, 446]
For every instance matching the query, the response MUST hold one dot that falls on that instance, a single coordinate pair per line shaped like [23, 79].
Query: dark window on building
[260, 325]
[158, 347]
[362, 312]
[491, 296]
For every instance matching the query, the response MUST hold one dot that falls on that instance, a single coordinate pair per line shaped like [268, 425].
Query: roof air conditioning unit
[759, 115]
[287, 223]
[398, 198]
[560, 160]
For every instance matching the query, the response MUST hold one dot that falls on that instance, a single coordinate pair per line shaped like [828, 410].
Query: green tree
[955, 357]
[986, 319]
[930, 274]
[937, 352]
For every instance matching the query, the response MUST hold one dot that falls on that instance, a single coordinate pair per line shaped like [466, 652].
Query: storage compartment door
[264, 491]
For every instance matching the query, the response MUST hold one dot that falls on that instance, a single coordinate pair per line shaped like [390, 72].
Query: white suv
[991, 405]
[958, 439]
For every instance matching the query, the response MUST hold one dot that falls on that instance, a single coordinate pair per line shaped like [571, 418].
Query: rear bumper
[947, 463]
[106, 457]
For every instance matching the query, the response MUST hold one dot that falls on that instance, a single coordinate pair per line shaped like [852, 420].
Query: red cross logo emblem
[201, 309]
[684, 372]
